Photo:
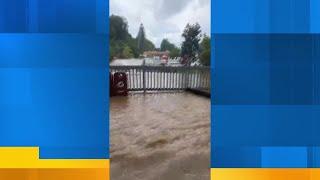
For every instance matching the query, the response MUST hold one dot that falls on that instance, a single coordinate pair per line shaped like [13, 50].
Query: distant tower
[141, 39]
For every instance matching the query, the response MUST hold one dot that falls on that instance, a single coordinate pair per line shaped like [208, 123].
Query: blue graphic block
[53, 75]
[284, 157]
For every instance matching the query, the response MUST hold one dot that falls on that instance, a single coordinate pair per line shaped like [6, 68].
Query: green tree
[119, 35]
[190, 46]
[116, 48]
[205, 48]
[141, 39]
[127, 52]
[132, 43]
[149, 46]
[175, 52]
[143, 44]
[118, 28]
[121, 40]
[167, 46]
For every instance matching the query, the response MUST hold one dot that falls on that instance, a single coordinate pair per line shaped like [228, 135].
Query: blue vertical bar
[265, 83]
[101, 17]
[32, 21]
[54, 79]
[2, 17]
[315, 16]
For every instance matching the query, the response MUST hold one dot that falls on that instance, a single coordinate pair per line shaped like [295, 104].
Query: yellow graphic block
[24, 164]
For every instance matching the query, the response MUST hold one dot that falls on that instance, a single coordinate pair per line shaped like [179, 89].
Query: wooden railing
[163, 78]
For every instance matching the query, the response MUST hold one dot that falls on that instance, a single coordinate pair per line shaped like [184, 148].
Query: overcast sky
[163, 18]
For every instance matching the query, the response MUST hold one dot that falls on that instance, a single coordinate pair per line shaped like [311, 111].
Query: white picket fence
[164, 78]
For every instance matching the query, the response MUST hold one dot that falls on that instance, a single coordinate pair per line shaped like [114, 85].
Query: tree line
[196, 46]
[122, 44]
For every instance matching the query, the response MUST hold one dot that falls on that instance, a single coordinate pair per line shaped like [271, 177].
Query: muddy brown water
[160, 136]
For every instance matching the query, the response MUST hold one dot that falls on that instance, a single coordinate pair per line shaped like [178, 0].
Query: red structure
[119, 84]
[111, 84]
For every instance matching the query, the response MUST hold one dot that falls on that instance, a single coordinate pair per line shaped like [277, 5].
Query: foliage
[141, 37]
[122, 45]
[118, 28]
[190, 46]
[205, 54]
[149, 46]
[175, 52]
[167, 46]
[127, 52]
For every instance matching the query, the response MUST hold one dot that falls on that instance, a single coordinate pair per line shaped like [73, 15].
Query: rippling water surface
[161, 136]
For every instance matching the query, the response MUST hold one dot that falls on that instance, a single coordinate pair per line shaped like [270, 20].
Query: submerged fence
[163, 78]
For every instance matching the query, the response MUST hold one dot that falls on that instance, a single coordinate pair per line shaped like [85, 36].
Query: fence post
[144, 75]
[188, 77]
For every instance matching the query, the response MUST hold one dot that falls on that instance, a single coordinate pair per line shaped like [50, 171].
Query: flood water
[160, 136]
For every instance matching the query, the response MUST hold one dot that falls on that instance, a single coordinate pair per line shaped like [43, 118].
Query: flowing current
[160, 136]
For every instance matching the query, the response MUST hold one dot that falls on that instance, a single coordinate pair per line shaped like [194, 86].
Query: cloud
[168, 8]
[163, 18]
